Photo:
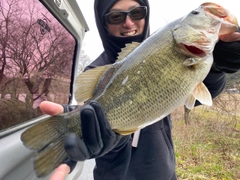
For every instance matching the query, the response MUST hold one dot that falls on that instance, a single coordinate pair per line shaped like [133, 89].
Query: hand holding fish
[235, 36]
[97, 134]
[226, 53]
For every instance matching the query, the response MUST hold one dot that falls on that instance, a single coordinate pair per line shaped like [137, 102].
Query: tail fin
[50, 158]
[44, 133]
[47, 140]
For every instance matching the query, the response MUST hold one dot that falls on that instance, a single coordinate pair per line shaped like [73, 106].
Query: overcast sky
[166, 12]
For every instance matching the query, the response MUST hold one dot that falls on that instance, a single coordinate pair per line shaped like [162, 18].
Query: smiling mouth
[130, 33]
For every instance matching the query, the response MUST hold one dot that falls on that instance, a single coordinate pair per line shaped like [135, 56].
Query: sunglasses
[118, 17]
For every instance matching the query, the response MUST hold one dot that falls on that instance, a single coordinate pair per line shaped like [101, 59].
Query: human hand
[235, 36]
[227, 53]
[97, 134]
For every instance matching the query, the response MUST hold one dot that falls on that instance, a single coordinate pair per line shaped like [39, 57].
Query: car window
[36, 60]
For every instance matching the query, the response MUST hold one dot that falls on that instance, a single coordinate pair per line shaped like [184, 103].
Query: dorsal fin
[127, 50]
[86, 82]
[200, 93]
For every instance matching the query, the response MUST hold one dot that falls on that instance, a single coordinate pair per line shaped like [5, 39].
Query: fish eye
[195, 11]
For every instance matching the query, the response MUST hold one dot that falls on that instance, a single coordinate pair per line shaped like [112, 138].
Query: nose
[128, 22]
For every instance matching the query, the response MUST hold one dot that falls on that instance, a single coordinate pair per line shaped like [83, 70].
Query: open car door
[40, 43]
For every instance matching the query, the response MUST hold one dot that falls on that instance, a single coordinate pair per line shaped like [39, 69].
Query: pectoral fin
[193, 61]
[190, 102]
[201, 94]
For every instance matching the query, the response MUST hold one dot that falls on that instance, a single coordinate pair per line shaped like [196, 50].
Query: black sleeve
[102, 60]
[227, 56]
[215, 82]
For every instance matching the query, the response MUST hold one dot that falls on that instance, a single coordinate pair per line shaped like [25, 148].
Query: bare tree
[29, 55]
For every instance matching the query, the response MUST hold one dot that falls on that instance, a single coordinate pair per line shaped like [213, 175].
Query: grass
[208, 147]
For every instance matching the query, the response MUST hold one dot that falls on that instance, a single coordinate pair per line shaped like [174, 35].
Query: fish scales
[146, 84]
[140, 99]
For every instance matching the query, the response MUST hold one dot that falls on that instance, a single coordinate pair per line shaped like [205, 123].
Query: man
[120, 22]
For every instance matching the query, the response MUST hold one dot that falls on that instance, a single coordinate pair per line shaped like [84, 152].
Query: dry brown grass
[209, 147]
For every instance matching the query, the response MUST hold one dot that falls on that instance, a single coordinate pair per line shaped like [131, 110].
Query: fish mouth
[195, 51]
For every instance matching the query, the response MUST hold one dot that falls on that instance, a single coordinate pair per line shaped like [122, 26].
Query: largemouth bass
[147, 82]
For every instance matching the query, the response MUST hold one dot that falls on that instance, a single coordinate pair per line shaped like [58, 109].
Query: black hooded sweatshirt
[153, 158]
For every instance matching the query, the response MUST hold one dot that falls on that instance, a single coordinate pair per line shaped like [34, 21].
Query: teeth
[129, 33]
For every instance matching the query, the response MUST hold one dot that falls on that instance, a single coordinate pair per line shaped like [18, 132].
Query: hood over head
[112, 44]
